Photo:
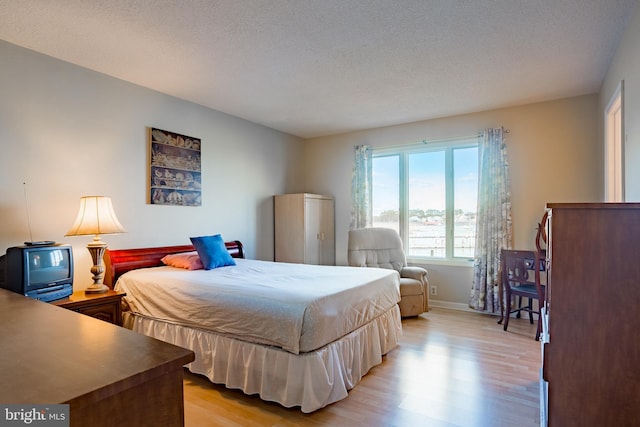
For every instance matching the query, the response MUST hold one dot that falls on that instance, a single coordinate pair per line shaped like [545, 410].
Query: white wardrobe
[304, 229]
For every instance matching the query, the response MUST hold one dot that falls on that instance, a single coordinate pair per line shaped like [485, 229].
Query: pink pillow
[188, 260]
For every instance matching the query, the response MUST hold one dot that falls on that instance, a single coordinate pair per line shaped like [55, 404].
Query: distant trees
[422, 215]
[387, 216]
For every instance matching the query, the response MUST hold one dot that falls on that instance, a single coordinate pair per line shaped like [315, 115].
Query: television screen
[48, 266]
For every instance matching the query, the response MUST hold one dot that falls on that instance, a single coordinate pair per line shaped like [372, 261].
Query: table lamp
[96, 216]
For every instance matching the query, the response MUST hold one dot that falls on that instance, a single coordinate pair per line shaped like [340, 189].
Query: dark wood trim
[591, 357]
[593, 205]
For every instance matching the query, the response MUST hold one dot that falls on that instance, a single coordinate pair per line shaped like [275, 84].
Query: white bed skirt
[309, 380]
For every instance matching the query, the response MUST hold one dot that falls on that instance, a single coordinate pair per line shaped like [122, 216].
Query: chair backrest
[541, 235]
[521, 268]
[376, 247]
[518, 266]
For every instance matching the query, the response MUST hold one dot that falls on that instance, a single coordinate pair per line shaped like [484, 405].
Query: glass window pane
[427, 204]
[465, 187]
[386, 192]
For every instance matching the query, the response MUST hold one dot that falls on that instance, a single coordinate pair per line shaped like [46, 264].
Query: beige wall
[626, 66]
[68, 131]
[554, 154]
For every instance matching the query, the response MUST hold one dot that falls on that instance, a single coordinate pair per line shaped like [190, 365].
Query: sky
[427, 184]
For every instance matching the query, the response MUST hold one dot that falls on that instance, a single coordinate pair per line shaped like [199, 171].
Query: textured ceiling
[319, 67]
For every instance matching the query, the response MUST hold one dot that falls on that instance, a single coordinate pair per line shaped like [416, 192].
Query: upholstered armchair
[382, 247]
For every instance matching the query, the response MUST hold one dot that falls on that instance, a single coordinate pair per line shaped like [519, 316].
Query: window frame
[614, 174]
[403, 153]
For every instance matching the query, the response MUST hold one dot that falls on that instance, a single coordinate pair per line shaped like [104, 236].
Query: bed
[295, 334]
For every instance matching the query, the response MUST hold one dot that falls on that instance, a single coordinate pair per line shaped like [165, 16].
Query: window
[429, 195]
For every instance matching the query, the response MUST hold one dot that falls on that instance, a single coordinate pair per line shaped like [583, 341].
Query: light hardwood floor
[451, 368]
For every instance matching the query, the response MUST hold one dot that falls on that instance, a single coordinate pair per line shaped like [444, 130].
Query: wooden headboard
[117, 262]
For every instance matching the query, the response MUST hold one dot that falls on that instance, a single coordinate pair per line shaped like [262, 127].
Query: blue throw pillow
[212, 251]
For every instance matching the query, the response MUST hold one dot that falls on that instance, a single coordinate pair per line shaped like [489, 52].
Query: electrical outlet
[434, 290]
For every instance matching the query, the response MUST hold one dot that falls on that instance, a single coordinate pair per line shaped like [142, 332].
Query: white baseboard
[451, 306]
[464, 307]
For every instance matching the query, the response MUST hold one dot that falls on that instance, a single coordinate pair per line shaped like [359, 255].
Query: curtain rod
[477, 135]
[431, 141]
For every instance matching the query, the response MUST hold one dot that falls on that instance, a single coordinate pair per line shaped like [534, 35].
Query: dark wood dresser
[591, 344]
[107, 374]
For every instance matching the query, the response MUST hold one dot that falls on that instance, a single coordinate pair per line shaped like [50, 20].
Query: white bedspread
[297, 307]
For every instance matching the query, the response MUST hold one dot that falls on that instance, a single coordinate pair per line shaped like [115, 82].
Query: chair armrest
[417, 273]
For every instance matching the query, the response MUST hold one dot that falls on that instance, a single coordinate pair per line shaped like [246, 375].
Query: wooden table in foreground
[107, 374]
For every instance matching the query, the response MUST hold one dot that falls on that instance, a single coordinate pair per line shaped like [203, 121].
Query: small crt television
[42, 272]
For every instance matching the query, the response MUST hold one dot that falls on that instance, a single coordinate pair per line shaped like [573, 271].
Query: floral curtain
[361, 188]
[493, 225]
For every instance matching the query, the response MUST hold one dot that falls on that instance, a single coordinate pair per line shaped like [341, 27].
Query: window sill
[462, 262]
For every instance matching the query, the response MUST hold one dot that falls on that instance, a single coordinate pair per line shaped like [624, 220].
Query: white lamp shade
[95, 216]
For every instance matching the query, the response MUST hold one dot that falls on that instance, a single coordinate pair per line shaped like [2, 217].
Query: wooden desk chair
[521, 278]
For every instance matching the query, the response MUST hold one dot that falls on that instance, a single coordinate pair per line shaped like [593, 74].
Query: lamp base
[96, 249]
[96, 288]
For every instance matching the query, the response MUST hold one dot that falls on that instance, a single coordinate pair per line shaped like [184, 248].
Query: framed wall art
[174, 170]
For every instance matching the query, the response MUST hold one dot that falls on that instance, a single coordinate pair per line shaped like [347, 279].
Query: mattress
[296, 307]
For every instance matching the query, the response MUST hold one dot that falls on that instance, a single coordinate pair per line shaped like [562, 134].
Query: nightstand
[104, 306]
